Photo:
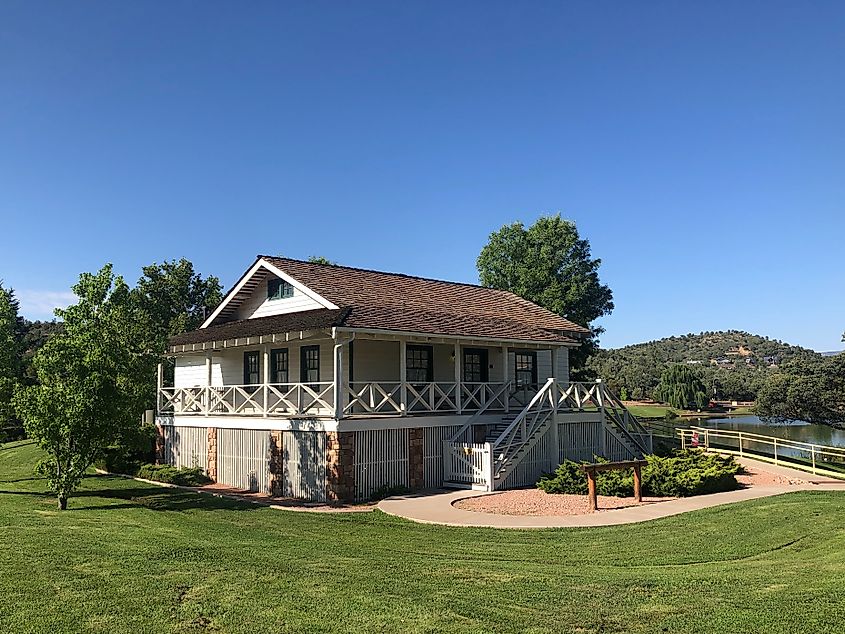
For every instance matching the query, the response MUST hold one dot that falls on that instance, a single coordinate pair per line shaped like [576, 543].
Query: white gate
[468, 464]
[243, 459]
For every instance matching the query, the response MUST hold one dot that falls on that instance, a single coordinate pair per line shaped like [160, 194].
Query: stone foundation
[340, 466]
[416, 467]
[159, 444]
[211, 458]
[277, 463]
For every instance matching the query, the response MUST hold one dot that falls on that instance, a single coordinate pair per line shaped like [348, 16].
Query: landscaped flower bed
[682, 474]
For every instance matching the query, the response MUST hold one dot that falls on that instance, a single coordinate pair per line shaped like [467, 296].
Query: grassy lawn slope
[130, 557]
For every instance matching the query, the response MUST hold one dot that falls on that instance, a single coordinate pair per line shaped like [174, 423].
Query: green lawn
[130, 557]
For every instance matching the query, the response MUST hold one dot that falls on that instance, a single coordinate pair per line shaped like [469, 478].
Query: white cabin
[326, 382]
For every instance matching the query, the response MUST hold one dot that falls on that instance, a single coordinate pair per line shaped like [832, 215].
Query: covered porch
[353, 373]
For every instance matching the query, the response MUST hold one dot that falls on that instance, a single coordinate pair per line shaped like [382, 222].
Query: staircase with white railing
[509, 440]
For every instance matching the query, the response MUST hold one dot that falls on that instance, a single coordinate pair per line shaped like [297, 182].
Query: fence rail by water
[817, 459]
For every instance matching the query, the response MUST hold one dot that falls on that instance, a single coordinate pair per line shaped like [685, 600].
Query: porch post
[403, 375]
[266, 370]
[159, 379]
[506, 368]
[458, 395]
[338, 379]
[207, 382]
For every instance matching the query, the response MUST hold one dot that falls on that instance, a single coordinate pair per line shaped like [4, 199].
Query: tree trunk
[62, 502]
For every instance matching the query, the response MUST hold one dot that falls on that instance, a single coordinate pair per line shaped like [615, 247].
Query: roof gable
[250, 283]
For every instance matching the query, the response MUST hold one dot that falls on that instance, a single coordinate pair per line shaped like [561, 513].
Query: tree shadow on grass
[31, 493]
[158, 499]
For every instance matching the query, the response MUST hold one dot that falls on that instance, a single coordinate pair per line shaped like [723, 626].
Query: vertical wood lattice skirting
[211, 457]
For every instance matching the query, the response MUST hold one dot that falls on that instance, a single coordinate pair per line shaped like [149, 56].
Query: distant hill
[733, 363]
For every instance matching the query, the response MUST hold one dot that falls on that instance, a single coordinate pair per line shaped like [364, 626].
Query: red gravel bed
[537, 502]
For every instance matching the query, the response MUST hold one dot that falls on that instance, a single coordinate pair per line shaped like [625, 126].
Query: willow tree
[681, 387]
[549, 264]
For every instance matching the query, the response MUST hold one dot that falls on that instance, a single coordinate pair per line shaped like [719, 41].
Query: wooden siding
[243, 459]
[185, 446]
[433, 438]
[257, 305]
[373, 361]
[381, 459]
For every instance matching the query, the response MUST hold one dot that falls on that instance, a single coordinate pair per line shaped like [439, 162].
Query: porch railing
[273, 399]
[318, 399]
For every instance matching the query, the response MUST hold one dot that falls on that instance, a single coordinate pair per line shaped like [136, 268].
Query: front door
[476, 365]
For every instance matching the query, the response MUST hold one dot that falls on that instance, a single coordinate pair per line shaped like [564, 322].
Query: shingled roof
[391, 301]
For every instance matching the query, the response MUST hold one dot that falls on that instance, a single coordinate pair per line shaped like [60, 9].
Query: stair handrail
[474, 418]
[516, 422]
[511, 436]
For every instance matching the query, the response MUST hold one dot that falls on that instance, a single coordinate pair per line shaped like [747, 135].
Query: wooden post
[159, 385]
[776, 450]
[638, 489]
[403, 376]
[266, 359]
[591, 489]
[458, 399]
[813, 452]
[506, 369]
[338, 380]
[208, 360]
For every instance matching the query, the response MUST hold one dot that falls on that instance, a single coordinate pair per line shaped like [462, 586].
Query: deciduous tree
[549, 264]
[88, 393]
[11, 368]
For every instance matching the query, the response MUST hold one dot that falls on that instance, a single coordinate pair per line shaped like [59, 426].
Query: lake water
[796, 430]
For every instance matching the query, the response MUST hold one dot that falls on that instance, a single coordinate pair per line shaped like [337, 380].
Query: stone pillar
[340, 467]
[277, 463]
[211, 462]
[416, 469]
[159, 444]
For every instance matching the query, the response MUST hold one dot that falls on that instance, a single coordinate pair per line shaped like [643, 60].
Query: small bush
[186, 476]
[682, 474]
[387, 491]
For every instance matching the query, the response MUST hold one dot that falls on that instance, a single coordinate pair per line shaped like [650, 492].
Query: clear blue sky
[700, 147]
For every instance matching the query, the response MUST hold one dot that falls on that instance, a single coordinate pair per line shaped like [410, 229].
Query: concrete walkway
[436, 508]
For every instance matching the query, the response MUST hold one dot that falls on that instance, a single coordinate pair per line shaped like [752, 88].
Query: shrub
[130, 453]
[388, 490]
[186, 476]
[682, 474]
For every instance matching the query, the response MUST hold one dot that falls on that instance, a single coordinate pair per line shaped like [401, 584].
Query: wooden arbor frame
[592, 469]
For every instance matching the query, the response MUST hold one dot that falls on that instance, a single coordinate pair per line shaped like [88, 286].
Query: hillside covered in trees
[733, 365]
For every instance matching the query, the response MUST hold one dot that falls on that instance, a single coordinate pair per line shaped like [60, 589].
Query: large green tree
[681, 387]
[12, 329]
[88, 394]
[549, 264]
[808, 389]
[175, 298]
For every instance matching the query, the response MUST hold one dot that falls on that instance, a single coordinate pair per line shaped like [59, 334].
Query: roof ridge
[405, 275]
